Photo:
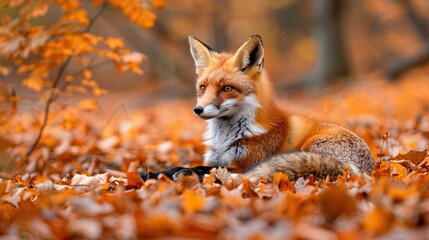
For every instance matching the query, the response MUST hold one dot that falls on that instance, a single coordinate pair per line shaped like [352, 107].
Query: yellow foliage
[87, 74]
[398, 170]
[99, 91]
[34, 82]
[50, 46]
[134, 10]
[377, 221]
[90, 105]
[114, 43]
[192, 202]
[159, 4]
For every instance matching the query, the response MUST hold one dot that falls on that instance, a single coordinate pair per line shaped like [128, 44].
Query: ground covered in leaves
[81, 181]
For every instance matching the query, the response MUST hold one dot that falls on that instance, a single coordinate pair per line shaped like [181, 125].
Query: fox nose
[198, 110]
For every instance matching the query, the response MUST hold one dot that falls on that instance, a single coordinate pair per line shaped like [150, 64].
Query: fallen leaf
[85, 228]
[397, 170]
[134, 180]
[414, 156]
[335, 202]
[191, 202]
[377, 221]
[84, 183]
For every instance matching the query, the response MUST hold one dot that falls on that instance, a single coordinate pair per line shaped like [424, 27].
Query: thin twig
[406, 162]
[417, 169]
[57, 80]
[48, 106]
[79, 72]
[109, 119]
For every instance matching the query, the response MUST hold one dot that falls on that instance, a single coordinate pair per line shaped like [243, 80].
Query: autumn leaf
[191, 202]
[159, 224]
[413, 155]
[335, 202]
[99, 91]
[247, 189]
[159, 4]
[114, 43]
[134, 180]
[377, 221]
[282, 181]
[84, 183]
[4, 70]
[34, 82]
[90, 105]
[87, 74]
[398, 170]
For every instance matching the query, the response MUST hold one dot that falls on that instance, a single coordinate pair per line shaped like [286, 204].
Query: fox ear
[201, 53]
[250, 54]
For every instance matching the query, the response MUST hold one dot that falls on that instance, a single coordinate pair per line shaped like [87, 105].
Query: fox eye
[227, 88]
[202, 88]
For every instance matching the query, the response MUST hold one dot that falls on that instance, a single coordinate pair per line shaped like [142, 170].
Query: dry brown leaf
[134, 180]
[398, 171]
[414, 156]
[335, 202]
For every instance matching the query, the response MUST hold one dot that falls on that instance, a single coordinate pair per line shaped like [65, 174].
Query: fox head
[226, 83]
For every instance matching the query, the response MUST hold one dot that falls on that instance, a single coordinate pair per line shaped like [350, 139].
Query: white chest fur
[223, 134]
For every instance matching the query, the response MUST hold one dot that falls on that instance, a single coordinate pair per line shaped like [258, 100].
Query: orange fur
[283, 132]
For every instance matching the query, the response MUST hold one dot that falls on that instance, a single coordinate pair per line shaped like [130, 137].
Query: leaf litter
[81, 182]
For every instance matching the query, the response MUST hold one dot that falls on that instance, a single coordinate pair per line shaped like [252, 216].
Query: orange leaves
[90, 105]
[336, 202]
[134, 180]
[132, 61]
[114, 43]
[67, 40]
[414, 156]
[35, 83]
[81, 185]
[4, 70]
[158, 4]
[281, 180]
[79, 17]
[36, 10]
[191, 201]
[71, 45]
[377, 221]
[7, 212]
[137, 12]
[156, 225]
[68, 5]
[398, 171]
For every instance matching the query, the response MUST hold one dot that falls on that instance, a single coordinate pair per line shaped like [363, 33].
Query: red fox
[248, 130]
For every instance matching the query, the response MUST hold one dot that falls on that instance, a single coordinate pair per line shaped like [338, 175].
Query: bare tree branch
[57, 80]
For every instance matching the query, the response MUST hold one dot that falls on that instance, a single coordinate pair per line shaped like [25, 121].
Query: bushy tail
[298, 164]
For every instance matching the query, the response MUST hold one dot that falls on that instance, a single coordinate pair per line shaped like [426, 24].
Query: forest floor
[81, 181]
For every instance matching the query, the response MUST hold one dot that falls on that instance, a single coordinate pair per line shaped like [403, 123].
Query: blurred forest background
[308, 43]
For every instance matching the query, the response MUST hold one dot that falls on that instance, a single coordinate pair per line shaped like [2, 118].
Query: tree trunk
[332, 62]
[400, 65]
